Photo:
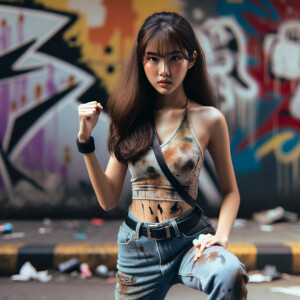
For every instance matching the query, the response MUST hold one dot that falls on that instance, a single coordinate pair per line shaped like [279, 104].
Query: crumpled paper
[28, 272]
[268, 273]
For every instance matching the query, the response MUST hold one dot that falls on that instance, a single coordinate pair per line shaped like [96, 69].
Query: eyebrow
[170, 53]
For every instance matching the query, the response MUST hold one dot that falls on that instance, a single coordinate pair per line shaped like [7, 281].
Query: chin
[164, 91]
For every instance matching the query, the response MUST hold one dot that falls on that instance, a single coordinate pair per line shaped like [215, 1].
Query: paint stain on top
[183, 157]
[169, 154]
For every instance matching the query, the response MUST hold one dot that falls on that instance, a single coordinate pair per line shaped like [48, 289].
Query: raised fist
[88, 118]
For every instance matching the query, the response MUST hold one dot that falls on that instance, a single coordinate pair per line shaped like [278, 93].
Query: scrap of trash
[267, 274]
[268, 217]
[265, 219]
[83, 270]
[72, 267]
[8, 234]
[48, 227]
[28, 272]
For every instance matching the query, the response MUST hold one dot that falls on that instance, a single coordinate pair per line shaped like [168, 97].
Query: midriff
[157, 211]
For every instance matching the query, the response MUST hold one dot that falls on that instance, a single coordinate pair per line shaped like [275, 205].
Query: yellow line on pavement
[9, 258]
[92, 254]
[295, 247]
[246, 253]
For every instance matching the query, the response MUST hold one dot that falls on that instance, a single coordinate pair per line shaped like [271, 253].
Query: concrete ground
[62, 287]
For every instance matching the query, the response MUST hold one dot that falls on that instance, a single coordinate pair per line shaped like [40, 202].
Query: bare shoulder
[208, 123]
[208, 115]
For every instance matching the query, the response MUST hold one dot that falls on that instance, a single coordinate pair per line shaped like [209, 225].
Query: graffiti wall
[56, 54]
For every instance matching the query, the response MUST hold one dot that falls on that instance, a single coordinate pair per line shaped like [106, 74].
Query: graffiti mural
[57, 54]
[270, 151]
[37, 92]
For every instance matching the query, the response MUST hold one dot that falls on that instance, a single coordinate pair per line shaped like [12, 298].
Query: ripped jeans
[148, 268]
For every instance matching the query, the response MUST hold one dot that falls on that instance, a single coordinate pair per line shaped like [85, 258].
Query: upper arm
[116, 172]
[219, 149]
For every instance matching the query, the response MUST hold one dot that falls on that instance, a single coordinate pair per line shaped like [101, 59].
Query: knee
[239, 288]
[232, 283]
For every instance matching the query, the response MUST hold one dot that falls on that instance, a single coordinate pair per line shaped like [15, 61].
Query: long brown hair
[131, 103]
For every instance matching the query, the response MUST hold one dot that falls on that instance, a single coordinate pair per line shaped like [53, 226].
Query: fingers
[200, 245]
[198, 253]
[88, 117]
[90, 105]
[87, 114]
[204, 241]
[88, 110]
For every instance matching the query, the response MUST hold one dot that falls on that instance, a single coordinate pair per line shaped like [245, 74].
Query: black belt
[159, 231]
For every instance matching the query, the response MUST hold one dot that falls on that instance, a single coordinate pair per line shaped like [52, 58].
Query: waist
[170, 228]
[159, 193]
[157, 211]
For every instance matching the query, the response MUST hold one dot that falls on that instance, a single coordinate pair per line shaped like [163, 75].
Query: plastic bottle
[6, 228]
[69, 265]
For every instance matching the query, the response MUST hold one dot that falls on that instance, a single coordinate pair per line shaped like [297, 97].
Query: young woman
[163, 240]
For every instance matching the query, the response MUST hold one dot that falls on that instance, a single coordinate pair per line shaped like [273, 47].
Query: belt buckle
[157, 226]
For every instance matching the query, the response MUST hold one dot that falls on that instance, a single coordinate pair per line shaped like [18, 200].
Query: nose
[164, 69]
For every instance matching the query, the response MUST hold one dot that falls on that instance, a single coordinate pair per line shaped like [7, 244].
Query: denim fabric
[148, 268]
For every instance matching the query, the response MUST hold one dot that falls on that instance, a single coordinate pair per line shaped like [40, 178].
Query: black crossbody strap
[173, 180]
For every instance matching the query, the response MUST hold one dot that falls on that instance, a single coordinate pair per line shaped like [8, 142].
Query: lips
[164, 83]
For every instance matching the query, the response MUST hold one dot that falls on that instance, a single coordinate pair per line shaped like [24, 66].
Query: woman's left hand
[205, 241]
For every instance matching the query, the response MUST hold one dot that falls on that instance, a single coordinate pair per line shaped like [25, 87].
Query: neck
[176, 100]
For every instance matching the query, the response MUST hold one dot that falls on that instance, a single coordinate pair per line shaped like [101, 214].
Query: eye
[151, 58]
[175, 58]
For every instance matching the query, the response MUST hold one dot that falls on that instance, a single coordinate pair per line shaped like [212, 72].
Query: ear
[191, 63]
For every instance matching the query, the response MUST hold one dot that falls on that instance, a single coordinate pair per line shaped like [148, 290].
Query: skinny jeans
[148, 268]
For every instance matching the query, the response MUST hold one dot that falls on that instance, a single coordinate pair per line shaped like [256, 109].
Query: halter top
[184, 157]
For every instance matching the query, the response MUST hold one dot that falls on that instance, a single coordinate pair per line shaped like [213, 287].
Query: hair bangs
[161, 40]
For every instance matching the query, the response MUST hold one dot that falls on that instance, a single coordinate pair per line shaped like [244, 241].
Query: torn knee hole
[125, 279]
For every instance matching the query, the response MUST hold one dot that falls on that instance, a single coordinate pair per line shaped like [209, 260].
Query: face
[166, 74]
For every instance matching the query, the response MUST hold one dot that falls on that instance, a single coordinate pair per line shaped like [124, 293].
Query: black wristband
[86, 147]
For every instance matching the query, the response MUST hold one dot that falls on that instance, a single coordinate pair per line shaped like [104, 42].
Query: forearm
[228, 213]
[103, 187]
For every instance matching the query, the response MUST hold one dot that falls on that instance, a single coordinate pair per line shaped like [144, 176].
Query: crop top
[184, 157]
